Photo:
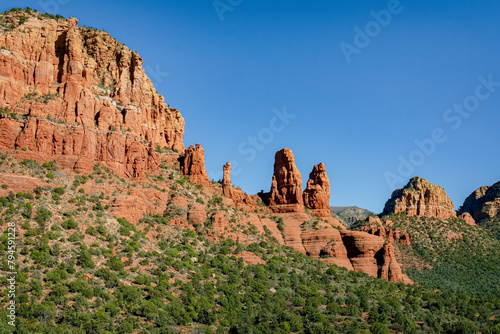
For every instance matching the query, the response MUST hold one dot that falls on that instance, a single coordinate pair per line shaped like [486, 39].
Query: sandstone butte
[80, 96]
[484, 203]
[422, 199]
[77, 96]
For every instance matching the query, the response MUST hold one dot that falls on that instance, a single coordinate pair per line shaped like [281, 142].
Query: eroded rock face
[422, 199]
[378, 228]
[317, 193]
[361, 249]
[326, 244]
[77, 92]
[468, 218]
[286, 187]
[220, 225]
[390, 269]
[197, 214]
[193, 165]
[249, 258]
[483, 203]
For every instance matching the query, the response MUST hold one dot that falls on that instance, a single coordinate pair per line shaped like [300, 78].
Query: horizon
[378, 91]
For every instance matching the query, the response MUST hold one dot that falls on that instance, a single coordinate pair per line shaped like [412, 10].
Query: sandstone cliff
[329, 241]
[483, 203]
[422, 199]
[78, 94]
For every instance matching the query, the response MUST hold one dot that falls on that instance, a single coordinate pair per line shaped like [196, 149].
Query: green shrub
[59, 191]
[75, 237]
[84, 259]
[115, 264]
[69, 224]
[43, 215]
[92, 231]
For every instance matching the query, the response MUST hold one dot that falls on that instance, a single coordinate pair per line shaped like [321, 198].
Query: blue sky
[231, 71]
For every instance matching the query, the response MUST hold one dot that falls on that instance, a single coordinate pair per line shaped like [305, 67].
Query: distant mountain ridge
[350, 215]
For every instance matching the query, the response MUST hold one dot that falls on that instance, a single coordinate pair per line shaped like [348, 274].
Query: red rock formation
[286, 187]
[484, 203]
[390, 233]
[317, 193]
[197, 214]
[220, 225]
[326, 244]
[193, 165]
[361, 249]
[78, 93]
[250, 258]
[19, 183]
[354, 250]
[226, 179]
[468, 218]
[239, 198]
[390, 269]
[420, 198]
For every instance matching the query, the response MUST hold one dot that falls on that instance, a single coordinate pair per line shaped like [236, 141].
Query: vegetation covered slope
[449, 254]
[81, 270]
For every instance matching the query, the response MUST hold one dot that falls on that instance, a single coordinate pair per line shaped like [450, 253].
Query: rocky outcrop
[326, 244]
[361, 249]
[226, 179]
[197, 214]
[78, 93]
[239, 198]
[381, 228]
[422, 199]
[484, 203]
[286, 187]
[332, 244]
[249, 258]
[317, 193]
[390, 269]
[467, 218]
[193, 165]
[220, 225]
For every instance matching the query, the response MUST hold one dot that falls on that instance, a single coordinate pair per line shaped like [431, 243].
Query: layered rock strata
[422, 199]
[79, 95]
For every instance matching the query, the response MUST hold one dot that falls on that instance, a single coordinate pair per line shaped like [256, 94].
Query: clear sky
[352, 84]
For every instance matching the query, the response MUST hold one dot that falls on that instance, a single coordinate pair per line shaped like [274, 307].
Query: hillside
[447, 255]
[83, 269]
[118, 228]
